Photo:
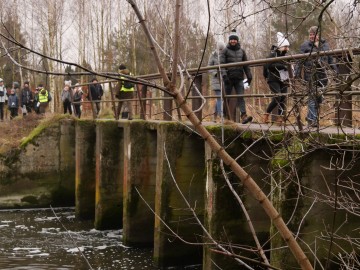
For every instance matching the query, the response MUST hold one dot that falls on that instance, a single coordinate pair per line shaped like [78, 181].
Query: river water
[53, 239]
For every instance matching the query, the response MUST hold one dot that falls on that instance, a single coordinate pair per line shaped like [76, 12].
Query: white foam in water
[71, 217]
[3, 226]
[76, 249]
[100, 247]
[6, 221]
[45, 219]
[25, 248]
[21, 227]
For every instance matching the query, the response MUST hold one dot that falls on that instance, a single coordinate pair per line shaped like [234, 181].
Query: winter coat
[234, 54]
[77, 96]
[3, 95]
[26, 96]
[271, 70]
[65, 96]
[320, 64]
[96, 91]
[214, 61]
[13, 101]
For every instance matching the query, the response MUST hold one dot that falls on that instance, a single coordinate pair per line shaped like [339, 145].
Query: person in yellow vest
[44, 98]
[125, 92]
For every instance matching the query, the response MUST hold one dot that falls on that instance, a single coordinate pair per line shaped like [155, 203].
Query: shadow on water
[35, 239]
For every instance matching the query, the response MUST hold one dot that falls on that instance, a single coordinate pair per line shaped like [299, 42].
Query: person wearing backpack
[125, 91]
[277, 77]
[3, 99]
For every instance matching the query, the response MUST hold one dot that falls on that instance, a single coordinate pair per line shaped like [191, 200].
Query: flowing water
[43, 239]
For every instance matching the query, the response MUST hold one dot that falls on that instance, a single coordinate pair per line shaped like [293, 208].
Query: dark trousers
[1, 110]
[13, 113]
[277, 88]
[77, 110]
[67, 107]
[28, 107]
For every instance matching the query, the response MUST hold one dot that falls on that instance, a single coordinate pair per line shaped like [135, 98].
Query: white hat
[1, 80]
[281, 40]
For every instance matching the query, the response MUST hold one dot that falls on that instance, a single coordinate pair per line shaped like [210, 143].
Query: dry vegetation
[12, 131]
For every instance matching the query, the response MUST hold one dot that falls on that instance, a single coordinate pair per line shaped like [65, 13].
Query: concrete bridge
[163, 185]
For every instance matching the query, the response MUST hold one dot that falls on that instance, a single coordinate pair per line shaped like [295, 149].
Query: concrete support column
[139, 177]
[85, 169]
[109, 175]
[224, 219]
[184, 153]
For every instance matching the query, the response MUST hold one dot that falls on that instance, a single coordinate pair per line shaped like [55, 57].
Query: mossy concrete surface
[85, 169]
[109, 175]
[43, 167]
[224, 219]
[180, 170]
[140, 158]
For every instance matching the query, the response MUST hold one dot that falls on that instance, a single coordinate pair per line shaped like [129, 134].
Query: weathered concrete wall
[180, 169]
[109, 175]
[85, 169]
[225, 220]
[140, 159]
[308, 201]
[40, 172]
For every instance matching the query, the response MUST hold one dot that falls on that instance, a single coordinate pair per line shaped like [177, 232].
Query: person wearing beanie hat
[215, 78]
[27, 99]
[122, 67]
[277, 76]
[234, 76]
[318, 80]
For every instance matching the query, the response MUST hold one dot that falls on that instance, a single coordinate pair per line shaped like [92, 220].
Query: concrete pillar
[109, 175]
[139, 174]
[65, 194]
[224, 218]
[185, 154]
[85, 169]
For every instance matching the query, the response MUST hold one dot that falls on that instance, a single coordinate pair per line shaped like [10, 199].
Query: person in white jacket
[3, 99]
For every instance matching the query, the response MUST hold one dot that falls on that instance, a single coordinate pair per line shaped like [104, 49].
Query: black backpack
[128, 84]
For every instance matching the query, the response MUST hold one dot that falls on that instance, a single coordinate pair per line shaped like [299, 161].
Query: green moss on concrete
[45, 124]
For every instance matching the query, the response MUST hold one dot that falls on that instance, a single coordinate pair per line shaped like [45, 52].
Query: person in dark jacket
[13, 104]
[125, 91]
[77, 97]
[96, 92]
[277, 76]
[315, 72]
[234, 76]
[66, 99]
[215, 80]
[27, 98]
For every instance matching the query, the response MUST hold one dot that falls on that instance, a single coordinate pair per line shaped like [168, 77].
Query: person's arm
[247, 69]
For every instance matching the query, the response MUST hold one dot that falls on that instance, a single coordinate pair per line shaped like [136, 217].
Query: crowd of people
[312, 72]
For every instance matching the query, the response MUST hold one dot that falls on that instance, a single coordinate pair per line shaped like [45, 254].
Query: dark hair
[40, 85]
[122, 66]
[26, 82]
[94, 79]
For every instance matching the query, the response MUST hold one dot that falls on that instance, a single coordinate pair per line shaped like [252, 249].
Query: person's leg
[228, 90]
[97, 103]
[274, 88]
[64, 106]
[239, 89]
[218, 103]
[1, 111]
[282, 100]
[70, 108]
[312, 110]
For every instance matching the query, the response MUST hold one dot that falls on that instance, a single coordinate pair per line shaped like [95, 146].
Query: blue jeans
[238, 84]
[313, 107]
[218, 102]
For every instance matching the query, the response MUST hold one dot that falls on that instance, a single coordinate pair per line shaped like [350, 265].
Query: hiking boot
[246, 119]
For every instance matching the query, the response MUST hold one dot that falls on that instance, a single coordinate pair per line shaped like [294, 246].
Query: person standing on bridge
[277, 77]
[234, 76]
[315, 72]
[96, 92]
[3, 99]
[26, 99]
[215, 78]
[125, 91]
